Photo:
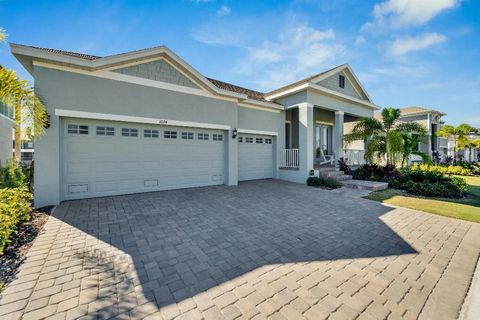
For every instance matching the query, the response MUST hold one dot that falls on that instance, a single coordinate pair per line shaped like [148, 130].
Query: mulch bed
[14, 254]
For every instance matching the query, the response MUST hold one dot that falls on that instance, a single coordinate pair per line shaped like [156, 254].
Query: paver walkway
[265, 249]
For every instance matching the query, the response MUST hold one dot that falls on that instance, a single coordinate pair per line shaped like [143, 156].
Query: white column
[338, 135]
[305, 137]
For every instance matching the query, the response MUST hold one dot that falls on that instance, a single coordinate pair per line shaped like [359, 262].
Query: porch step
[365, 185]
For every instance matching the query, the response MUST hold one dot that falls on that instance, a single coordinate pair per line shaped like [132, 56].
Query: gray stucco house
[7, 123]
[146, 121]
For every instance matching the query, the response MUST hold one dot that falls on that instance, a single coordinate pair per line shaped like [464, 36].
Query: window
[217, 137]
[268, 140]
[240, 139]
[27, 156]
[341, 81]
[105, 131]
[248, 140]
[203, 136]
[129, 132]
[187, 135]
[148, 133]
[170, 134]
[258, 140]
[77, 129]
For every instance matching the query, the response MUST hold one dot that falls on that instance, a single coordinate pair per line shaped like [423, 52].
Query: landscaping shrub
[343, 166]
[13, 175]
[15, 207]
[461, 170]
[429, 183]
[374, 172]
[323, 182]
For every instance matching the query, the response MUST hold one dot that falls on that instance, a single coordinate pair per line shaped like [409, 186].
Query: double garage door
[102, 158]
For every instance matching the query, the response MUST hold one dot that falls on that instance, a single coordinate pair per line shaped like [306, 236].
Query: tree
[388, 138]
[457, 134]
[19, 94]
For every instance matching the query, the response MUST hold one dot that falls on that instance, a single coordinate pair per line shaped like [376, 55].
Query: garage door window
[203, 136]
[217, 137]
[170, 134]
[240, 139]
[147, 133]
[105, 131]
[259, 140]
[187, 135]
[268, 140]
[77, 129]
[248, 140]
[129, 132]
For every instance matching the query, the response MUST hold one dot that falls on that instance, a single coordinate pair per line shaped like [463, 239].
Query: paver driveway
[265, 249]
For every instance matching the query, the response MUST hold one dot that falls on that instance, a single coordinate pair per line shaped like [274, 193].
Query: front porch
[314, 137]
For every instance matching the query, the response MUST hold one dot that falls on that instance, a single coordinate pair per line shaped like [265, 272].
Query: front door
[323, 138]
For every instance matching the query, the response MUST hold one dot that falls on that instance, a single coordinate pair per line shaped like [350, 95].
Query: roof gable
[159, 70]
[332, 82]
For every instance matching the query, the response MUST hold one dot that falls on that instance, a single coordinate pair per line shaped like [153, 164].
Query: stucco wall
[71, 91]
[158, 70]
[332, 83]
[6, 127]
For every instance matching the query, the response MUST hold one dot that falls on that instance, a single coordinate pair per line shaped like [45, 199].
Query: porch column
[305, 137]
[338, 135]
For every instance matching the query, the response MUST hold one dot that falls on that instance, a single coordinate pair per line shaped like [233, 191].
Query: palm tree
[387, 138]
[458, 134]
[19, 94]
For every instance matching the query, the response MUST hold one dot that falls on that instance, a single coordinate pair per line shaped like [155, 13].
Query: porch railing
[354, 157]
[289, 158]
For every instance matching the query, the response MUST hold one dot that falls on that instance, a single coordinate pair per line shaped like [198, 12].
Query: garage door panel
[255, 160]
[109, 165]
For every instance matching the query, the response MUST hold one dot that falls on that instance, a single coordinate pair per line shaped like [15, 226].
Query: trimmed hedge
[323, 182]
[429, 183]
[15, 207]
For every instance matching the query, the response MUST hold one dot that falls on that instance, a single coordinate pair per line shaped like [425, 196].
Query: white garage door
[103, 158]
[255, 157]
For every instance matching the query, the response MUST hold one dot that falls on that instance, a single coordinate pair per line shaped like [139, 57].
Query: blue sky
[405, 52]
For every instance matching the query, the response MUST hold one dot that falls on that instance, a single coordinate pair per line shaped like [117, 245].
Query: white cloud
[405, 45]
[404, 13]
[223, 11]
[359, 40]
[297, 52]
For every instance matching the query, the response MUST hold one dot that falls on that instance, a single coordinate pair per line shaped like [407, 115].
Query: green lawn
[467, 208]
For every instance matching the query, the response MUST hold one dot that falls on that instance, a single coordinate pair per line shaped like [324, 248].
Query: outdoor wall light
[234, 133]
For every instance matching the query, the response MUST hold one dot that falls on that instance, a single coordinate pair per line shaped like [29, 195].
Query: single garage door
[255, 157]
[102, 158]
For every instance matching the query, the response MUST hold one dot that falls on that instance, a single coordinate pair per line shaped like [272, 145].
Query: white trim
[343, 96]
[117, 60]
[339, 112]
[292, 90]
[264, 104]
[325, 123]
[251, 131]
[288, 121]
[243, 105]
[117, 117]
[111, 75]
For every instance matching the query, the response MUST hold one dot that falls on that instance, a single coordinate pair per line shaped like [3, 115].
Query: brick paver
[265, 249]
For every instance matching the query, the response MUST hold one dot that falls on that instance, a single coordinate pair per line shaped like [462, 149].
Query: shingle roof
[67, 53]
[252, 94]
[414, 110]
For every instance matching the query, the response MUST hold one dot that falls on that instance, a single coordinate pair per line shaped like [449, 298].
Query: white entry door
[255, 157]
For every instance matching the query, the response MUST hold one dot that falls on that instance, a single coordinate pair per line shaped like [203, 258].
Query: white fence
[354, 157]
[289, 158]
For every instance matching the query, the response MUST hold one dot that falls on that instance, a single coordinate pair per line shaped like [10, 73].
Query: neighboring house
[432, 120]
[7, 123]
[146, 121]
[26, 150]
[469, 154]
